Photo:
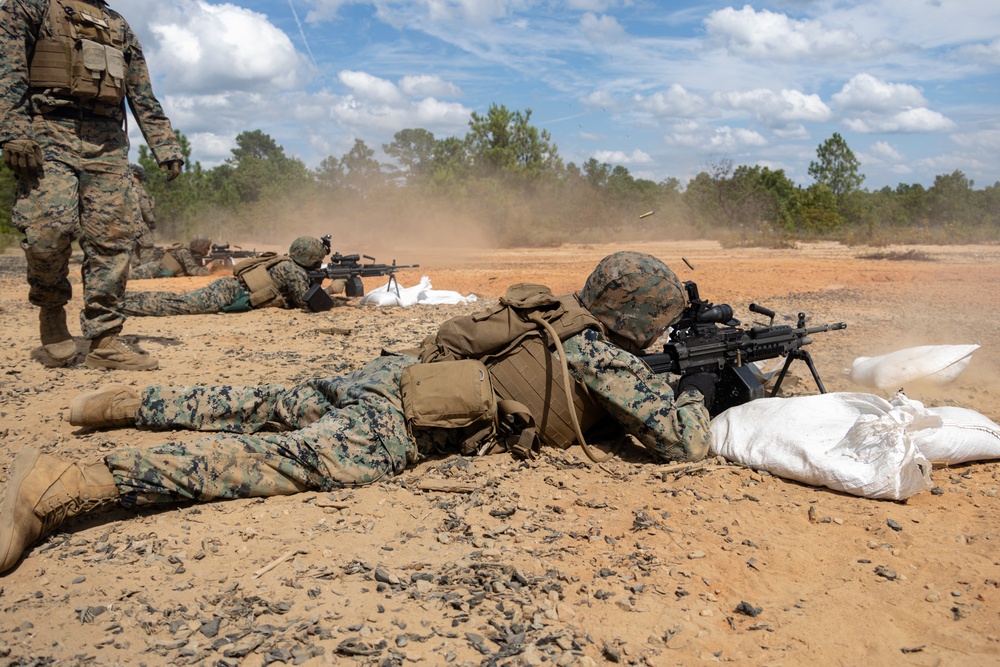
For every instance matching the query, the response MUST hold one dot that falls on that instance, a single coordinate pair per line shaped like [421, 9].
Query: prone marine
[353, 430]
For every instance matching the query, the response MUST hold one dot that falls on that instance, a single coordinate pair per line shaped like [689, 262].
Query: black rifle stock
[707, 339]
[351, 269]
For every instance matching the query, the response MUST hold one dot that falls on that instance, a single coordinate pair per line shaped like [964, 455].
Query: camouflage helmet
[138, 171]
[307, 251]
[634, 295]
[200, 244]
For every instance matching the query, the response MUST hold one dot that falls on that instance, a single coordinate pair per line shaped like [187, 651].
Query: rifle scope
[721, 313]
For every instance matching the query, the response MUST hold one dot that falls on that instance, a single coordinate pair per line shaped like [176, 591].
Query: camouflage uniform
[144, 245]
[291, 279]
[350, 431]
[85, 190]
[156, 268]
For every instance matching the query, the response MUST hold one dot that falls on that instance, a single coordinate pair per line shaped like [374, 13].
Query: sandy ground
[555, 561]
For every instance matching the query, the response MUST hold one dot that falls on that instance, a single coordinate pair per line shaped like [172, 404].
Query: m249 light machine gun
[351, 269]
[224, 254]
[707, 339]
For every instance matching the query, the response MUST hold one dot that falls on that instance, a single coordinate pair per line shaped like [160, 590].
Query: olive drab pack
[253, 273]
[171, 263]
[454, 395]
[514, 341]
[79, 54]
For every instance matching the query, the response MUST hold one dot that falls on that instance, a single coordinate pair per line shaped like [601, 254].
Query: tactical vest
[171, 263]
[513, 340]
[253, 273]
[79, 55]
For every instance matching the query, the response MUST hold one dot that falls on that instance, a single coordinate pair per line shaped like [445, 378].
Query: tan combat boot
[110, 406]
[56, 339]
[110, 351]
[41, 493]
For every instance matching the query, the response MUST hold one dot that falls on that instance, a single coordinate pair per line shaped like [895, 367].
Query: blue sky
[665, 89]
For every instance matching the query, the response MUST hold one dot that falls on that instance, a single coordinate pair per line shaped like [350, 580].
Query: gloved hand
[336, 286]
[703, 382]
[172, 168]
[24, 157]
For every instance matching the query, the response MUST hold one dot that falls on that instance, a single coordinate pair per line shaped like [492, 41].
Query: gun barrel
[836, 326]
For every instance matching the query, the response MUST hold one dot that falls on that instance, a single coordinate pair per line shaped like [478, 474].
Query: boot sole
[24, 463]
[119, 365]
[51, 349]
[76, 408]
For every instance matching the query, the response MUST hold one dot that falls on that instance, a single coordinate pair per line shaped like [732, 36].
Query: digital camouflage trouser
[145, 248]
[85, 192]
[211, 298]
[345, 431]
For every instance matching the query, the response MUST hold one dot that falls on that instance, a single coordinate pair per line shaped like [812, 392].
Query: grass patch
[899, 255]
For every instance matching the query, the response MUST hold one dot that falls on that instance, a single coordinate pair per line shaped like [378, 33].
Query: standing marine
[67, 68]
[145, 250]
[356, 429]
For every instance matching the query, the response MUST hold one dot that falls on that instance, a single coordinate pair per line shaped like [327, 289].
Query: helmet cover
[138, 171]
[307, 251]
[200, 244]
[635, 295]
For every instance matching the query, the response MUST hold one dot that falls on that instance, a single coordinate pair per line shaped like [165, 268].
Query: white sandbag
[439, 297]
[964, 435]
[391, 294]
[934, 364]
[852, 442]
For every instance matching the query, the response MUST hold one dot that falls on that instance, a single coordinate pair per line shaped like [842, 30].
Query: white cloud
[424, 84]
[434, 113]
[769, 35]
[620, 157]
[371, 88]
[688, 134]
[601, 29]
[988, 54]
[793, 132]
[675, 103]
[884, 151]
[591, 5]
[911, 120]
[599, 99]
[983, 139]
[775, 109]
[213, 147]
[731, 138]
[868, 93]
[208, 47]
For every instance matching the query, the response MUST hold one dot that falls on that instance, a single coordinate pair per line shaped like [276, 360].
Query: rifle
[351, 269]
[708, 339]
[223, 251]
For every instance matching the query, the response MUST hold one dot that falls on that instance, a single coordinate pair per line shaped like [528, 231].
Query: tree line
[506, 178]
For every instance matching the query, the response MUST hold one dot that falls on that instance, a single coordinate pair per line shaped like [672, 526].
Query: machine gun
[226, 254]
[351, 269]
[708, 339]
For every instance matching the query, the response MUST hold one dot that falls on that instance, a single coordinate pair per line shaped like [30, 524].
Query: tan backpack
[253, 273]
[513, 341]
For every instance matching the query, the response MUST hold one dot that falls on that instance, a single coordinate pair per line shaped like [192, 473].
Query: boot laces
[58, 510]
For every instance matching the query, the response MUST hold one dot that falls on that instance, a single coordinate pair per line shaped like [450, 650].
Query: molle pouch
[317, 299]
[89, 69]
[453, 395]
[113, 86]
[171, 264]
